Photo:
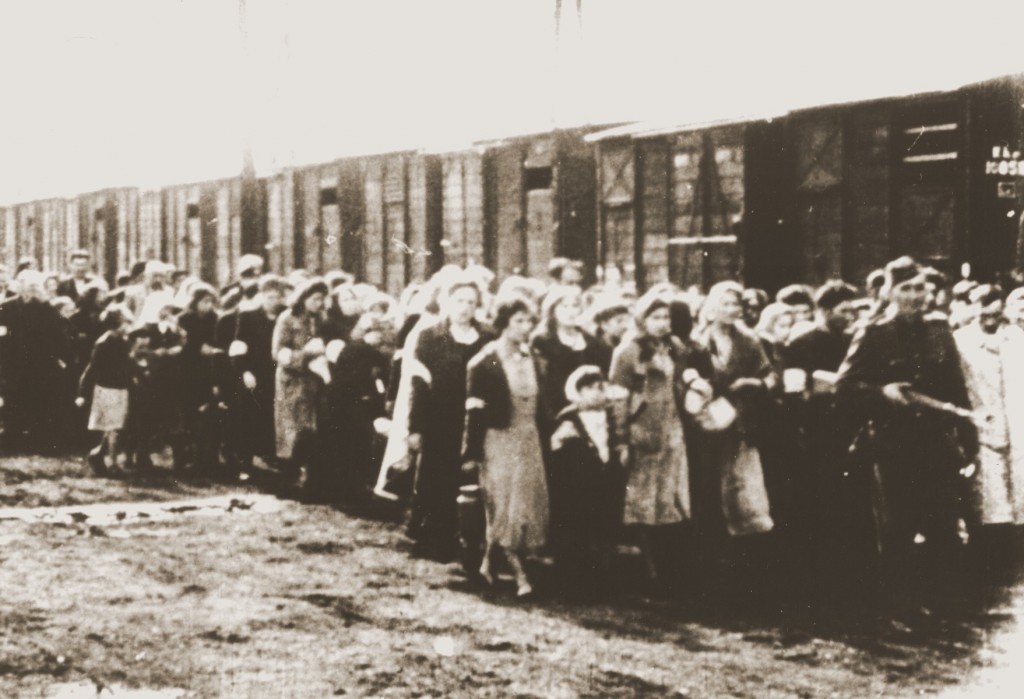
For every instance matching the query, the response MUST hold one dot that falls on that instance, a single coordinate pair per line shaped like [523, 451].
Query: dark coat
[34, 349]
[67, 287]
[557, 362]
[156, 400]
[197, 369]
[586, 492]
[818, 349]
[914, 452]
[487, 383]
[254, 412]
[111, 365]
[437, 412]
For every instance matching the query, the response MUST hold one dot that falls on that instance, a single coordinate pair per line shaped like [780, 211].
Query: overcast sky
[101, 93]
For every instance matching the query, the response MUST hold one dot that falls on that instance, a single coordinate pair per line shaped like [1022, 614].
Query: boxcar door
[929, 143]
[817, 143]
[539, 175]
[617, 183]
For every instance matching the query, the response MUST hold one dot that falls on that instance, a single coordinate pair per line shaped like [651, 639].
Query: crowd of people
[830, 429]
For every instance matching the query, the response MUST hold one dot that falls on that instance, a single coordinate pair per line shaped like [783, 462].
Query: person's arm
[475, 426]
[282, 346]
[96, 359]
[622, 374]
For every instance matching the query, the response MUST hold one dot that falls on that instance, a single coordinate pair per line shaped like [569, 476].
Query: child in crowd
[586, 477]
[108, 376]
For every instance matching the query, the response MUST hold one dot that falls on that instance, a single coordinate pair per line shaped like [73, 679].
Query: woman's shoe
[524, 590]
[97, 463]
[486, 574]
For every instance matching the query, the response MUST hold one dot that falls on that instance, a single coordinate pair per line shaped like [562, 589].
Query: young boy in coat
[586, 478]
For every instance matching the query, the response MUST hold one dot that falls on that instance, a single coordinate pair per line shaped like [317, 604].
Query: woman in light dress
[503, 440]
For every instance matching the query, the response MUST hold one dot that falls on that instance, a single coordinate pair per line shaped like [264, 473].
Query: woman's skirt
[109, 409]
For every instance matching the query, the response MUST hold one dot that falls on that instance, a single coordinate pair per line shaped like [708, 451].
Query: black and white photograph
[511, 348]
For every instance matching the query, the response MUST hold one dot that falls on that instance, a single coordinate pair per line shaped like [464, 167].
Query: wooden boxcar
[108, 228]
[377, 217]
[45, 230]
[539, 202]
[832, 191]
[671, 200]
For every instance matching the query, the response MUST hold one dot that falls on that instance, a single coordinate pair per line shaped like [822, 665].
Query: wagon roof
[643, 129]
[648, 129]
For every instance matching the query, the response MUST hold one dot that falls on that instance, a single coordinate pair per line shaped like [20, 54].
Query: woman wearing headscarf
[437, 411]
[653, 366]
[297, 343]
[503, 440]
[741, 374]
[561, 347]
[773, 331]
[352, 401]
[199, 325]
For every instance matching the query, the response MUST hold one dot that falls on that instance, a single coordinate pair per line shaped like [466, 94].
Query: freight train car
[671, 200]
[45, 230]
[832, 191]
[539, 202]
[108, 227]
[377, 217]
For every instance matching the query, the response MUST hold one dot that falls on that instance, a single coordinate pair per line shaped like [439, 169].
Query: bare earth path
[245, 595]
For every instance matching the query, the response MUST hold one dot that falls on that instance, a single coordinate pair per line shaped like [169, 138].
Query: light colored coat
[993, 366]
[296, 387]
[658, 475]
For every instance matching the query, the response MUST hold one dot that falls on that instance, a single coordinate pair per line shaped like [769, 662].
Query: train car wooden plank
[280, 223]
[331, 257]
[353, 213]
[396, 248]
[419, 247]
[506, 184]
[866, 196]
[465, 224]
[576, 184]
[150, 225]
[817, 141]
[210, 227]
[308, 201]
[655, 211]
[225, 255]
[541, 231]
[928, 187]
[768, 244]
[7, 237]
[616, 187]
[373, 227]
[70, 225]
[474, 239]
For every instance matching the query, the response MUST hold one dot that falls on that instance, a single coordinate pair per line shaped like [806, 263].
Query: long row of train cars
[832, 191]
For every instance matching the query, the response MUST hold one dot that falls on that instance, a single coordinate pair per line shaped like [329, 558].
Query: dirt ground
[193, 589]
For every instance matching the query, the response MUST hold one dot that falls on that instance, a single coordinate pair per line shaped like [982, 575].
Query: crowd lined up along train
[732, 344]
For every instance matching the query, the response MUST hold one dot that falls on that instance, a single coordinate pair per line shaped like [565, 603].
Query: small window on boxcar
[328, 196]
[538, 178]
[192, 211]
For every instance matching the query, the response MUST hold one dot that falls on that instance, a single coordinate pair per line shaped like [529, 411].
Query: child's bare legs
[114, 441]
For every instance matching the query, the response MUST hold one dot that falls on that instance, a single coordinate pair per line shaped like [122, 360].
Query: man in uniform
[903, 380]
